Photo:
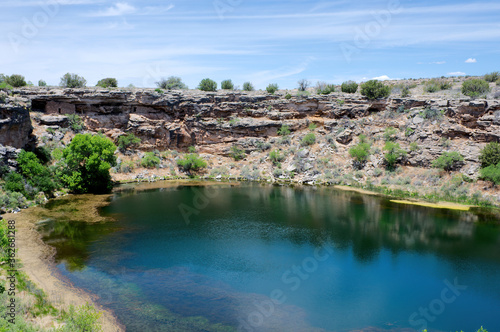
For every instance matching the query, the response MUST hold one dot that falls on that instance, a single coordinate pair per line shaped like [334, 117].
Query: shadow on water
[161, 268]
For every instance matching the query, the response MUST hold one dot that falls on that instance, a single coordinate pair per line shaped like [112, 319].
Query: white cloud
[456, 73]
[382, 78]
[471, 60]
[438, 63]
[119, 9]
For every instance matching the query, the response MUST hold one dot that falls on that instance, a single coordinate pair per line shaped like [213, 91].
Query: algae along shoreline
[37, 257]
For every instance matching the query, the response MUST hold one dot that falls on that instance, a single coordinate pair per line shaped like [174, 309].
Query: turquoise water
[269, 258]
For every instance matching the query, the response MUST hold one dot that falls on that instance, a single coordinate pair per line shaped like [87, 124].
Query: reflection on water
[339, 261]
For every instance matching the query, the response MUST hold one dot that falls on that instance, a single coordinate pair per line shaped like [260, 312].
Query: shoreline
[37, 259]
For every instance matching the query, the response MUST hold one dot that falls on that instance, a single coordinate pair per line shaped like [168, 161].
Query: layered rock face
[177, 120]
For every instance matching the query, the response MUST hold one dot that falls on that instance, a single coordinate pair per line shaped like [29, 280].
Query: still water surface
[268, 258]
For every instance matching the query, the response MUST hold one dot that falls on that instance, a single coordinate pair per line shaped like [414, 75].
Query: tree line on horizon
[372, 89]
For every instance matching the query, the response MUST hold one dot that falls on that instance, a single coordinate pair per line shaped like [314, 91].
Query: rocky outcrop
[15, 126]
[180, 119]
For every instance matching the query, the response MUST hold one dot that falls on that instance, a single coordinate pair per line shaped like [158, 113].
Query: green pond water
[256, 257]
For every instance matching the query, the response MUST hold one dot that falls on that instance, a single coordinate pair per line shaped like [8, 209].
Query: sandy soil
[38, 264]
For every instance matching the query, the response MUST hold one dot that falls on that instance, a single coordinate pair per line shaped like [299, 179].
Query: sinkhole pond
[253, 257]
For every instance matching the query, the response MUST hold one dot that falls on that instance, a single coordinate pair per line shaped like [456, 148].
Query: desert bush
[349, 87]
[171, 83]
[390, 134]
[272, 88]
[475, 87]
[498, 82]
[72, 81]
[490, 154]
[394, 152]
[262, 146]
[75, 123]
[126, 166]
[303, 84]
[108, 83]
[436, 85]
[492, 77]
[37, 175]
[448, 160]
[247, 86]
[288, 96]
[158, 90]
[16, 80]
[323, 88]
[361, 151]
[227, 85]
[309, 139]
[236, 153]
[150, 160]
[432, 113]
[191, 162]
[222, 171]
[276, 156]
[405, 92]
[414, 146]
[374, 89]
[127, 141]
[207, 84]
[491, 173]
[42, 83]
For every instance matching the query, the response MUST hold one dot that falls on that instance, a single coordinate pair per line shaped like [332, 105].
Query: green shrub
[42, 83]
[15, 80]
[276, 156]
[390, 134]
[89, 158]
[14, 182]
[361, 151]
[312, 126]
[149, 160]
[82, 319]
[72, 81]
[349, 87]
[448, 160]
[475, 87]
[247, 86]
[5, 86]
[236, 153]
[207, 84]
[172, 83]
[288, 96]
[272, 88]
[36, 174]
[158, 90]
[191, 162]
[490, 155]
[227, 85]
[323, 88]
[284, 130]
[432, 114]
[394, 152]
[436, 85]
[492, 77]
[491, 173]
[405, 92]
[76, 123]
[414, 146]
[498, 82]
[309, 139]
[303, 84]
[108, 83]
[374, 89]
[126, 166]
[128, 140]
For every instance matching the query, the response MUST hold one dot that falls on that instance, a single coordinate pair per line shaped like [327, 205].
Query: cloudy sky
[271, 41]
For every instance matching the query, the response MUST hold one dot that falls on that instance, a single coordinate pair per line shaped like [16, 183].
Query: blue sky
[272, 41]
